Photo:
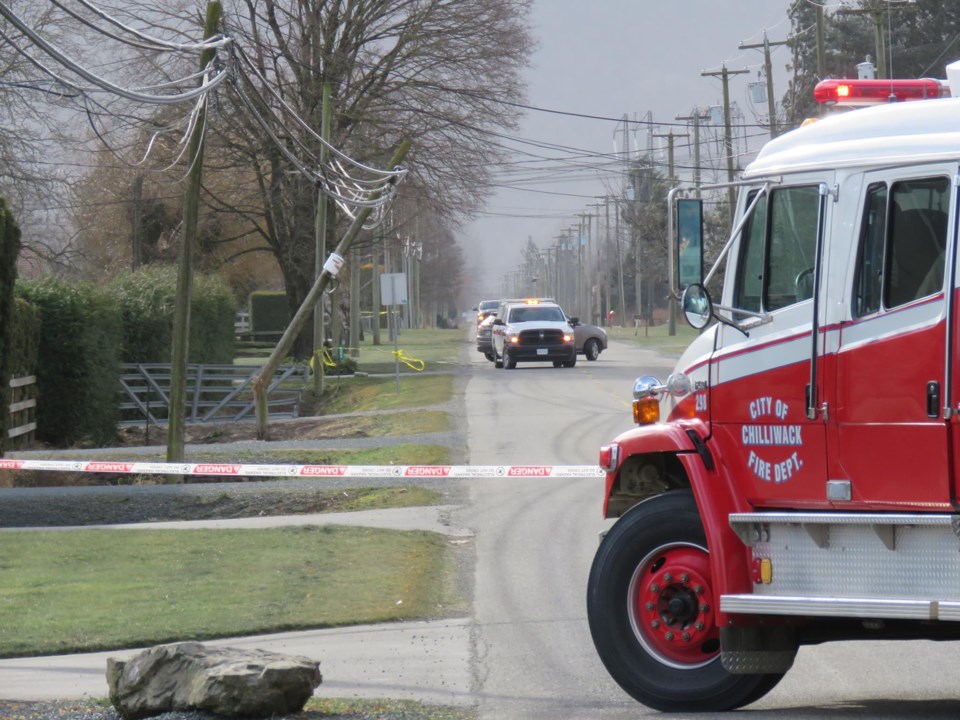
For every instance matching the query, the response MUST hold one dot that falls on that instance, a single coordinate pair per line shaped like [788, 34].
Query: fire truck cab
[804, 484]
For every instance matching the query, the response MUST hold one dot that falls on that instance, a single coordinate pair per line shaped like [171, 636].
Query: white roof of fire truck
[892, 134]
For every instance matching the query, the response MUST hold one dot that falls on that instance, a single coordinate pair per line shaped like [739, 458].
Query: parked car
[589, 339]
[485, 308]
[485, 337]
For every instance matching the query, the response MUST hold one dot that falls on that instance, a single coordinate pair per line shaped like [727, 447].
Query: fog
[606, 59]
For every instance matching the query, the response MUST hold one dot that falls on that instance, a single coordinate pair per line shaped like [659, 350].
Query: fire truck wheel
[497, 360]
[651, 603]
[508, 362]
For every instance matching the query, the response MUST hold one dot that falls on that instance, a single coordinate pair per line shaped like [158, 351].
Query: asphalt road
[527, 653]
[535, 540]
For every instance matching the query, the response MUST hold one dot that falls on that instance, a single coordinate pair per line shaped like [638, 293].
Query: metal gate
[215, 393]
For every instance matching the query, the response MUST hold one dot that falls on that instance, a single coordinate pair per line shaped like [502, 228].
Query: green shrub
[147, 298]
[79, 358]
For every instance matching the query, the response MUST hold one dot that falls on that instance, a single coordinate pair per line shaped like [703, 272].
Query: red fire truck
[804, 485]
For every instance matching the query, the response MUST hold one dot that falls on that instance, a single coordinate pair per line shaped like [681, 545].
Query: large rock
[226, 681]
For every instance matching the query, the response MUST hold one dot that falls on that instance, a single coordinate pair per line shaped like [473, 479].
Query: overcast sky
[607, 58]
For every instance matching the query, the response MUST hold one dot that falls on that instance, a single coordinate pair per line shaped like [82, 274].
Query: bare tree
[31, 179]
[442, 73]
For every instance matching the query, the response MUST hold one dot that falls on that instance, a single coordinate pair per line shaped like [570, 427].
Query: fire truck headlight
[514, 339]
[567, 338]
[646, 386]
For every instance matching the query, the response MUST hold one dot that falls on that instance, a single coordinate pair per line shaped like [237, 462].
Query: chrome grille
[546, 336]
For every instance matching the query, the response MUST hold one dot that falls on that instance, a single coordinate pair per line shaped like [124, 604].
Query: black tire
[558, 363]
[572, 362]
[490, 356]
[665, 651]
[591, 349]
[508, 362]
[497, 360]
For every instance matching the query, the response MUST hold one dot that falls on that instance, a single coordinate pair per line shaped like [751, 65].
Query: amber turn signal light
[646, 411]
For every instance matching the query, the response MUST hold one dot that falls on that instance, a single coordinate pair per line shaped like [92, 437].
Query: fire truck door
[759, 395]
[887, 435]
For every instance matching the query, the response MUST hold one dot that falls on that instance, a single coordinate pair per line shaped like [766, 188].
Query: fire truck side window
[870, 262]
[903, 240]
[777, 258]
[750, 272]
[917, 240]
[792, 248]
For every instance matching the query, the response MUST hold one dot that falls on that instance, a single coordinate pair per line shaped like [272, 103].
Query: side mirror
[574, 321]
[498, 321]
[697, 306]
[689, 242]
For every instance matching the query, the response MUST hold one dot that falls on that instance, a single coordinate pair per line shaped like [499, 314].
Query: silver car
[589, 339]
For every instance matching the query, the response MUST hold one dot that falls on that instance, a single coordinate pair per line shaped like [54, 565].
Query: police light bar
[854, 93]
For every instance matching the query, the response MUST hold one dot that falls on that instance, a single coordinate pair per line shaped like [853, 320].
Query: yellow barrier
[413, 363]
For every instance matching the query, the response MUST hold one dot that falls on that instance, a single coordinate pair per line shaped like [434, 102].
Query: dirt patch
[307, 428]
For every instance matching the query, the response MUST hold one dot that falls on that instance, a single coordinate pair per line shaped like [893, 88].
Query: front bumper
[541, 353]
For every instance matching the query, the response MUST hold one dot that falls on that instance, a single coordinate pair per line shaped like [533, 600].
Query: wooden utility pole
[354, 303]
[375, 286]
[670, 164]
[695, 117]
[768, 71]
[320, 240]
[261, 381]
[821, 44]
[595, 298]
[671, 301]
[176, 417]
[136, 249]
[724, 74]
[878, 11]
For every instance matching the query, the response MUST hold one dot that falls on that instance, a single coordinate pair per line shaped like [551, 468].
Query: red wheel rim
[671, 606]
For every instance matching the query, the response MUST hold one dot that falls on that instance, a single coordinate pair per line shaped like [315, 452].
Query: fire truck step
[891, 608]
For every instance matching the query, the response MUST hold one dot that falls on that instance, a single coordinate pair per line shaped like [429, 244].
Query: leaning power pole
[261, 380]
[176, 416]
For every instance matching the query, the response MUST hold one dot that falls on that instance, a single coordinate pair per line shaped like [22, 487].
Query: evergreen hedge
[79, 359]
[24, 348]
[147, 298]
[9, 252]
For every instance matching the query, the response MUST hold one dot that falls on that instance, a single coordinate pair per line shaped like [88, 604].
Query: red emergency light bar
[877, 92]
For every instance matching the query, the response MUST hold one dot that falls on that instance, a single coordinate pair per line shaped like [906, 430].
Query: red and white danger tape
[228, 469]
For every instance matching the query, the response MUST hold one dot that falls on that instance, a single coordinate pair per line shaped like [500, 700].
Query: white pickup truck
[532, 331]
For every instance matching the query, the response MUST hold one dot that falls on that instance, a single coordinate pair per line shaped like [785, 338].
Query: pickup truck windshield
[536, 314]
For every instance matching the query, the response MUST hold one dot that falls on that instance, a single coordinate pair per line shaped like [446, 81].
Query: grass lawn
[380, 393]
[656, 337]
[111, 589]
[436, 348]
